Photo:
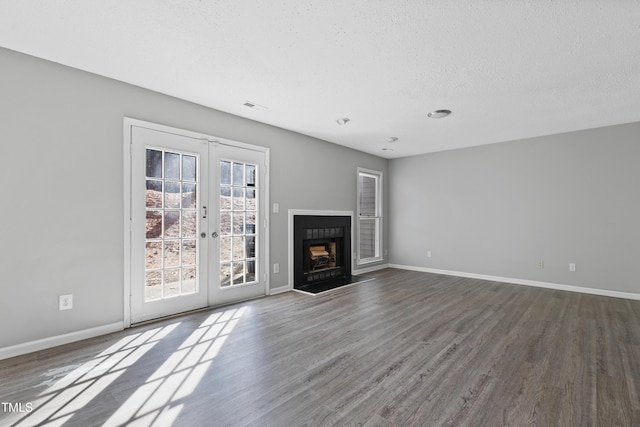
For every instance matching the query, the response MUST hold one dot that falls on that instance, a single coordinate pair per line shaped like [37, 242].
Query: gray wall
[498, 209]
[61, 150]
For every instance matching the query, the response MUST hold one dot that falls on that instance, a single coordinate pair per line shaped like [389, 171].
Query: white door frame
[127, 141]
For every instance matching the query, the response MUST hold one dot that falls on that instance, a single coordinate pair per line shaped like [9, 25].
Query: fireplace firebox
[322, 249]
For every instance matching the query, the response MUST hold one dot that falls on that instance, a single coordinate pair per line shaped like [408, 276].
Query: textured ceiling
[508, 69]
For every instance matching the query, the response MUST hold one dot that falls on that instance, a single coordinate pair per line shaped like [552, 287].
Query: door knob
[214, 234]
[203, 235]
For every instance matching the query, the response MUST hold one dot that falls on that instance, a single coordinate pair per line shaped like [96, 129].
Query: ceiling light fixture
[387, 149]
[392, 139]
[439, 114]
[343, 121]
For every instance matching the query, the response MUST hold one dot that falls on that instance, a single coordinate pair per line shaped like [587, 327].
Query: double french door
[197, 227]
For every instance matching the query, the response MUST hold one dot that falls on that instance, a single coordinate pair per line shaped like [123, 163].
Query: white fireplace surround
[294, 212]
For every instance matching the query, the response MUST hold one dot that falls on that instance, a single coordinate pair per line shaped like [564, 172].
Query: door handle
[205, 212]
[214, 234]
[203, 235]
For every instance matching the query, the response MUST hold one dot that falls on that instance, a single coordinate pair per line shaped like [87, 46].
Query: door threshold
[196, 310]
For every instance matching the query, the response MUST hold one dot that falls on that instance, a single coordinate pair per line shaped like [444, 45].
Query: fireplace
[321, 251]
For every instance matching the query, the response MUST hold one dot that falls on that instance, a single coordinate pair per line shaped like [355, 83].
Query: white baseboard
[42, 344]
[280, 290]
[547, 285]
[370, 269]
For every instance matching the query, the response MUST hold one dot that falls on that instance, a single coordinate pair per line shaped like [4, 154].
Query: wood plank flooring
[408, 348]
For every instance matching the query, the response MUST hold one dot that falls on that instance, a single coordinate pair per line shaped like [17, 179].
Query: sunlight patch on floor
[157, 402]
[70, 393]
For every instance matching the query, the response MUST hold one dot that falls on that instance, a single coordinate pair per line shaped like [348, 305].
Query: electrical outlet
[276, 207]
[540, 264]
[572, 267]
[65, 302]
[276, 268]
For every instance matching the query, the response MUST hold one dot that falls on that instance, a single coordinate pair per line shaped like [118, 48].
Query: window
[369, 215]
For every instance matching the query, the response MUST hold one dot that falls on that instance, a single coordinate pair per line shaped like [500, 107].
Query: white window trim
[379, 215]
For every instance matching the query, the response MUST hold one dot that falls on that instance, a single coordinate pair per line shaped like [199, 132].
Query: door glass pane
[238, 199]
[188, 224]
[225, 223]
[172, 253]
[189, 280]
[225, 274]
[189, 196]
[154, 163]
[238, 248]
[251, 175]
[238, 222]
[171, 225]
[251, 271]
[171, 166]
[251, 222]
[225, 173]
[188, 168]
[251, 200]
[225, 248]
[154, 193]
[188, 252]
[251, 246]
[154, 224]
[154, 255]
[225, 198]
[238, 174]
[153, 285]
[172, 195]
[238, 273]
[171, 283]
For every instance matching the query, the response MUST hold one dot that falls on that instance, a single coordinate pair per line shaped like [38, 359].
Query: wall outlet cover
[65, 302]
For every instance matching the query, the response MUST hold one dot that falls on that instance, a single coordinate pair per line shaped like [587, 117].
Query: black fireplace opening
[322, 249]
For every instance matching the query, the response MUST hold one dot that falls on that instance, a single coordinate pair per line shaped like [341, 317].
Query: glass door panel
[169, 179]
[238, 267]
[171, 200]
[238, 218]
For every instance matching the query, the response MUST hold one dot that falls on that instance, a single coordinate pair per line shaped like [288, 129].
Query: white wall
[496, 210]
[61, 151]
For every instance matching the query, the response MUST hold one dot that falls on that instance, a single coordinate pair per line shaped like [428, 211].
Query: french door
[197, 227]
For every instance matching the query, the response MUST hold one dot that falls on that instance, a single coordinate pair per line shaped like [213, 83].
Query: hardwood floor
[405, 349]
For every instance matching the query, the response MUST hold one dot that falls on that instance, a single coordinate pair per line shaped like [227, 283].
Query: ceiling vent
[251, 104]
[439, 114]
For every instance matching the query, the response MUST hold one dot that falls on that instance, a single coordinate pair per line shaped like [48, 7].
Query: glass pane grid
[171, 224]
[238, 219]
